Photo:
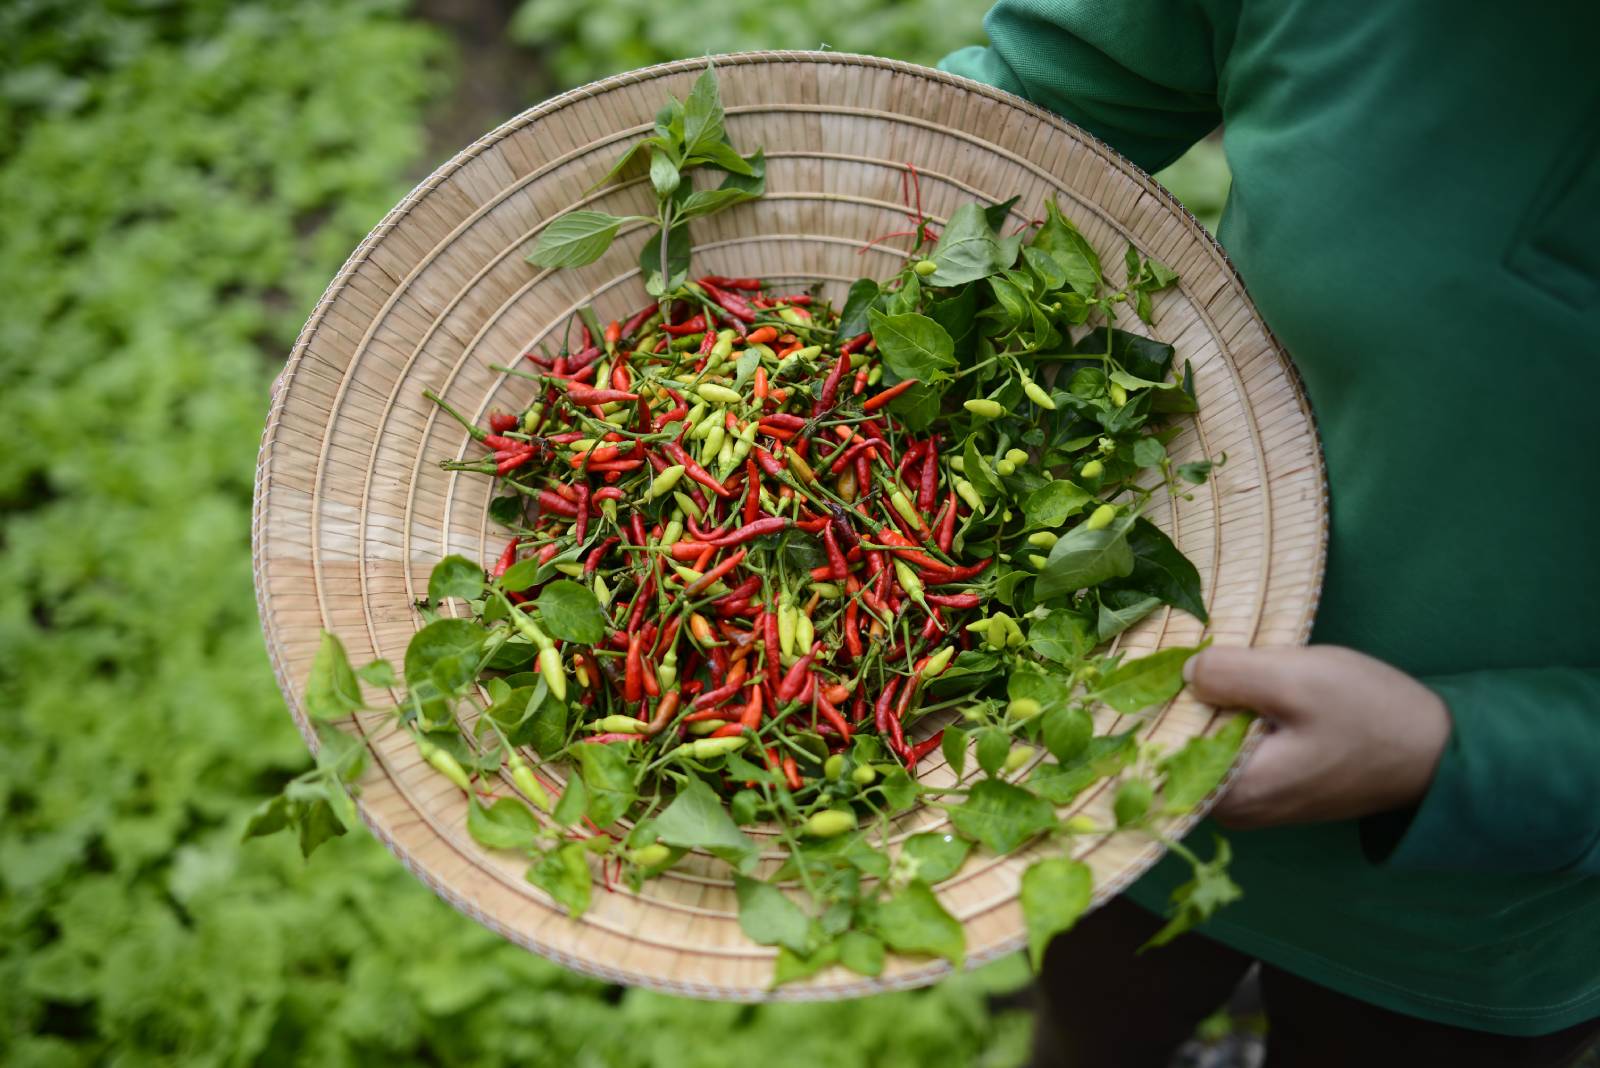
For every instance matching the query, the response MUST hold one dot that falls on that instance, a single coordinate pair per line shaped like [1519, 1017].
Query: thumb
[1270, 681]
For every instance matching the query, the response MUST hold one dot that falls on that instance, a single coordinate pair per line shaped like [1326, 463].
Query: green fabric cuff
[1517, 788]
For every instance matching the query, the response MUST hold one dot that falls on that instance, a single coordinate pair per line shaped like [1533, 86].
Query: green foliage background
[180, 180]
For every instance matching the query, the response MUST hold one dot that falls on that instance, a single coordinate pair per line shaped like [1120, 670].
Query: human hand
[1350, 735]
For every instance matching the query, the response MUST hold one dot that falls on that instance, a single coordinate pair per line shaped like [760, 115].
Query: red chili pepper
[583, 395]
[636, 320]
[633, 684]
[832, 715]
[835, 557]
[878, 401]
[940, 575]
[946, 535]
[897, 721]
[605, 738]
[585, 357]
[923, 748]
[860, 385]
[855, 343]
[507, 558]
[581, 527]
[763, 335]
[928, 492]
[750, 718]
[685, 551]
[750, 284]
[791, 773]
[690, 326]
[885, 703]
[770, 465]
[508, 460]
[758, 388]
[906, 549]
[551, 501]
[598, 553]
[953, 600]
[735, 306]
[772, 524]
[693, 469]
[783, 420]
[769, 641]
[500, 421]
[752, 497]
[714, 574]
[795, 677]
[830, 385]
[852, 629]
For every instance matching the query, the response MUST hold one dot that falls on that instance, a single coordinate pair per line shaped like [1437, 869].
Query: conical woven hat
[352, 510]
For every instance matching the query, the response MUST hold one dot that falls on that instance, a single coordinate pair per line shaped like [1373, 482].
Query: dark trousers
[1101, 1005]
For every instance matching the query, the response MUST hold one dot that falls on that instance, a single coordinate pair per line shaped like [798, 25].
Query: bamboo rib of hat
[352, 510]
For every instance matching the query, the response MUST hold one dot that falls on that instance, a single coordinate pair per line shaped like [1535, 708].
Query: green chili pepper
[651, 856]
[1037, 394]
[1023, 709]
[664, 482]
[924, 268]
[1101, 517]
[528, 782]
[829, 823]
[833, 767]
[909, 582]
[1005, 466]
[1043, 539]
[707, 748]
[863, 775]
[985, 409]
[553, 671]
[969, 493]
[1092, 469]
[1019, 755]
[442, 762]
[719, 394]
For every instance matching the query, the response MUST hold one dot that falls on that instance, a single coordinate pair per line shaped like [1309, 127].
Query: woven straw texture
[352, 510]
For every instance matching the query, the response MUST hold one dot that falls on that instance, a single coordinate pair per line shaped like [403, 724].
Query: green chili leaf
[570, 611]
[455, 644]
[912, 345]
[995, 214]
[1196, 769]
[546, 726]
[331, 689]
[1085, 557]
[1054, 503]
[377, 673]
[954, 748]
[938, 856]
[520, 575]
[1056, 891]
[1070, 249]
[1196, 472]
[1148, 452]
[702, 113]
[697, 819]
[564, 874]
[574, 799]
[608, 779]
[506, 824]
[899, 789]
[863, 295]
[1064, 635]
[1002, 816]
[1121, 609]
[791, 966]
[967, 249]
[993, 745]
[1161, 571]
[1066, 732]
[317, 823]
[1149, 680]
[455, 576]
[1144, 358]
[1198, 899]
[769, 918]
[861, 953]
[269, 817]
[913, 921]
[576, 238]
[1106, 754]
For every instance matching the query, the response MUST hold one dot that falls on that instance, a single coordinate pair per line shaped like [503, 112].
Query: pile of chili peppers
[679, 466]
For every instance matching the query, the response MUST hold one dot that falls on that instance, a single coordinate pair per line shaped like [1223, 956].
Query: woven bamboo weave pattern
[352, 510]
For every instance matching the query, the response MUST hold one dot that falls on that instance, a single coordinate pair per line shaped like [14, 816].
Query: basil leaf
[912, 345]
[678, 254]
[721, 155]
[1135, 685]
[332, 690]
[1002, 816]
[576, 238]
[696, 819]
[455, 576]
[913, 921]
[1196, 769]
[664, 176]
[1055, 893]
[702, 113]
[769, 918]
[570, 611]
[564, 874]
[707, 201]
[938, 856]
[506, 824]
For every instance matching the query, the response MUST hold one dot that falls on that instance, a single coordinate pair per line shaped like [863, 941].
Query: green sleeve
[1518, 787]
[1144, 77]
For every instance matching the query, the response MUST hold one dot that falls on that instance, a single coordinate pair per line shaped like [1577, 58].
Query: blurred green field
[180, 181]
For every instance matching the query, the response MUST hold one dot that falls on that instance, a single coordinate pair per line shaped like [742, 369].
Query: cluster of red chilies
[666, 465]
